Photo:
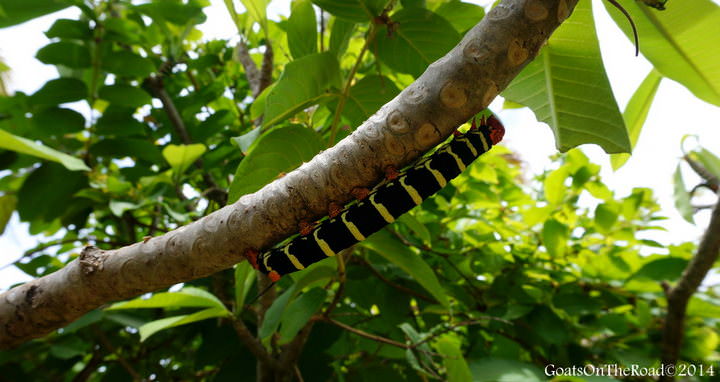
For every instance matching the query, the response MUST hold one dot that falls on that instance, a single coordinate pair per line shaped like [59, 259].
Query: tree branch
[451, 90]
[679, 295]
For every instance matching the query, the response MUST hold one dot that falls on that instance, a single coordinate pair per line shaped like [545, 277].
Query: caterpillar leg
[274, 276]
[334, 209]
[391, 173]
[305, 227]
[360, 193]
[251, 254]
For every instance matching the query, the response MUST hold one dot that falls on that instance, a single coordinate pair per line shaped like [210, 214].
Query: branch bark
[451, 90]
[679, 295]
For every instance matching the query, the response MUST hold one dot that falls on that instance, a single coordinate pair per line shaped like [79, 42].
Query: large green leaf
[188, 297]
[47, 192]
[353, 10]
[69, 29]
[366, 97]
[299, 312]
[26, 146]
[58, 121]
[124, 63]
[567, 88]
[130, 147]
[636, 112]
[302, 29]
[18, 11]
[124, 95]
[304, 82]
[418, 39]
[681, 42]
[180, 157]
[276, 312]
[709, 160]
[65, 53]
[340, 34]
[412, 263]
[153, 327]
[59, 91]
[277, 152]
[555, 236]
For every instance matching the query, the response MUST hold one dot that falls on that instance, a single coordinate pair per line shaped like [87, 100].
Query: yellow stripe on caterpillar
[294, 260]
[437, 174]
[458, 161]
[352, 228]
[382, 210]
[411, 191]
[323, 244]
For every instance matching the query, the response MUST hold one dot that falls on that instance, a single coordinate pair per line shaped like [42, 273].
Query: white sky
[675, 113]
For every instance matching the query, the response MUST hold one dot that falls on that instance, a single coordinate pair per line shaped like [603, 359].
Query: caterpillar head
[497, 130]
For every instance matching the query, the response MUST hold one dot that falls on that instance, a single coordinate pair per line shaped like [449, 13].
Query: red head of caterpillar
[497, 130]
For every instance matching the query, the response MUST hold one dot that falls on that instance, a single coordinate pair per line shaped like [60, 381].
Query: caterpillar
[380, 207]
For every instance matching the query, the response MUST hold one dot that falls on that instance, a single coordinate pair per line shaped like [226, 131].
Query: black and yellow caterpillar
[383, 205]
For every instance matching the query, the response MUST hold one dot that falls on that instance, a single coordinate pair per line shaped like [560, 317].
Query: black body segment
[382, 206]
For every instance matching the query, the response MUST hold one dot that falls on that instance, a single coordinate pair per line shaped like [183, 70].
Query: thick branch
[451, 90]
[679, 295]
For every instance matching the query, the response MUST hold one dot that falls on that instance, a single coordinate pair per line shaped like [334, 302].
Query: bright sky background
[675, 112]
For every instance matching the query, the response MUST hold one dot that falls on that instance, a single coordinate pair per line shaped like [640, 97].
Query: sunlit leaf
[567, 88]
[187, 297]
[682, 196]
[153, 327]
[302, 29]
[26, 146]
[180, 157]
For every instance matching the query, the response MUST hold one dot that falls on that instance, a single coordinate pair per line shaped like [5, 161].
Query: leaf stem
[346, 91]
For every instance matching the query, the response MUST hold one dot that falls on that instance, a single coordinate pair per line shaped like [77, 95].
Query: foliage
[493, 278]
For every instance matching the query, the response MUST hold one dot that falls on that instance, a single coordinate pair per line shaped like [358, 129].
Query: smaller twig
[366, 334]
[251, 342]
[252, 73]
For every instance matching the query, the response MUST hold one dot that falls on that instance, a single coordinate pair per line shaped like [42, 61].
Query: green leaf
[567, 88]
[119, 122]
[449, 347]
[19, 11]
[554, 185]
[412, 263]
[416, 226]
[606, 216]
[462, 16]
[420, 38]
[280, 150]
[26, 146]
[275, 313]
[303, 83]
[244, 279]
[58, 121]
[7, 207]
[340, 34]
[505, 370]
[555, 236]
[665, 268]
[636, 112]
[257, 9]
[60, 90]
[37, 203]
[709, 161]
[180, 157]
[187, 297]
[702, 308]
[153, 327]
[681, 42]
[302, 29]
[352, 10]
[129, 64]
[299, 312]
[65, 53]
[682, 196]
[124, 95]
[69, 29]
[366, 97]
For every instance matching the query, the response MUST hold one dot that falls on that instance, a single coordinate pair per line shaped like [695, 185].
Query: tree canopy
[169, 155]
